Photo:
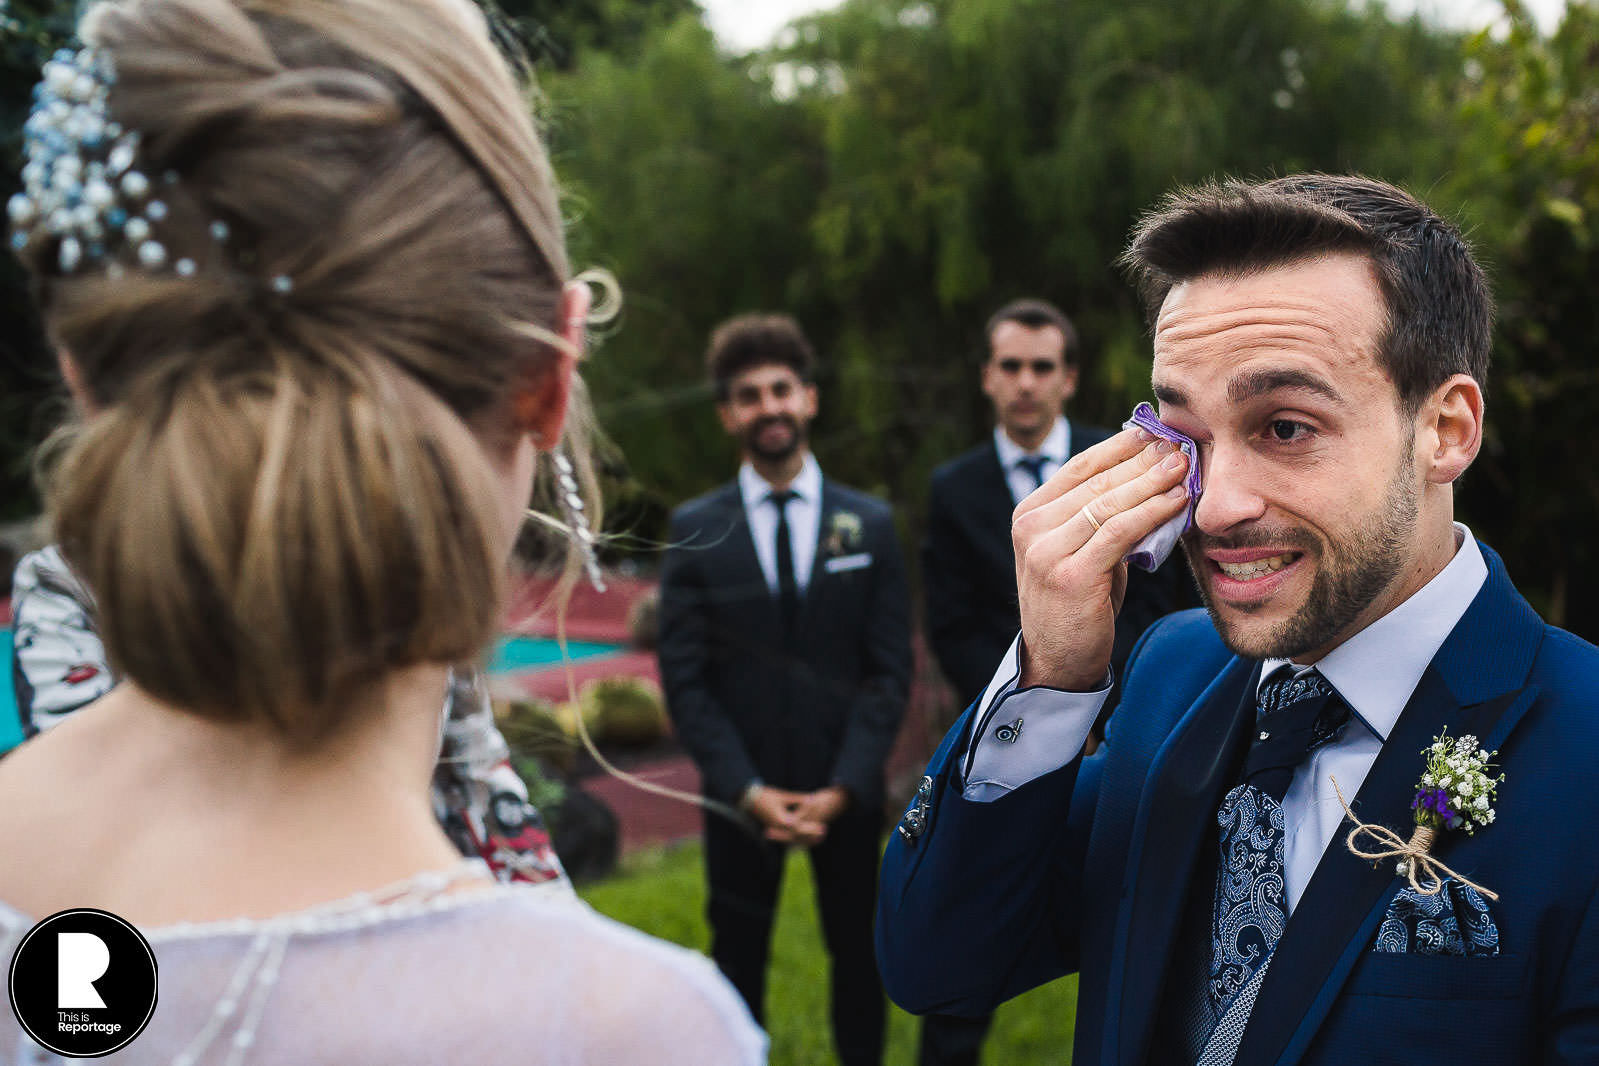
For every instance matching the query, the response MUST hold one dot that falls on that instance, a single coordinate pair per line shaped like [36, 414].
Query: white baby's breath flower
[1458, 768]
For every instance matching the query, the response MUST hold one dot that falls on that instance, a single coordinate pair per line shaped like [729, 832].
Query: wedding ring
[1089, 513]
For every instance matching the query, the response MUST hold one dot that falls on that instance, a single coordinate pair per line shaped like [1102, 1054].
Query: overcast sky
[742, 25]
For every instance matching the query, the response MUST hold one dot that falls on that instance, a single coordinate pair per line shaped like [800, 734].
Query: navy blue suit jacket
[1086, 869]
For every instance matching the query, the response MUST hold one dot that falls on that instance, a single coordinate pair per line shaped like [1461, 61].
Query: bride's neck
[388, 746]
[257, 827]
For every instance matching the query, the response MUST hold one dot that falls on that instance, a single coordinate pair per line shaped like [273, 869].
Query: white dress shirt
[1055, 448]
[804, 520]
[1375, 671]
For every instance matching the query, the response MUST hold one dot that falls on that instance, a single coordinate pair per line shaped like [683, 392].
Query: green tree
[692, 183]
[557, 32]
[894, 169]
[30, 32]
[1526, 171]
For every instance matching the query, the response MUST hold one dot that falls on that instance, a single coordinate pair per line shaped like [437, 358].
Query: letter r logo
[82, 959]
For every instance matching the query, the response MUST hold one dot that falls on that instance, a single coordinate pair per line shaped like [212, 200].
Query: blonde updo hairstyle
[287, 491]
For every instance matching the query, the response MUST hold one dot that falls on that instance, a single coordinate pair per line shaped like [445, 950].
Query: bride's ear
[73, 377]
[542, 404]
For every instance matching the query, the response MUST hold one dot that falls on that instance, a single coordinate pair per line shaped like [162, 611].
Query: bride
[303, 260]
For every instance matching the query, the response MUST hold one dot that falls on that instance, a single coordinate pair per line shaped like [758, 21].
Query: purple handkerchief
[1153, 549]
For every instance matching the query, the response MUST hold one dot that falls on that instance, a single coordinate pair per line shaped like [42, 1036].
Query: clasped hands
[797, 817]
[1071, 537]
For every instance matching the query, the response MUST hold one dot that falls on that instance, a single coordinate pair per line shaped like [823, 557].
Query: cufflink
[1009, 734]
[914, 824]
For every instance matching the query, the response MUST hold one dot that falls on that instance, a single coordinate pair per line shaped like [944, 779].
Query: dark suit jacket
[820, 708]
[969, 572]
[1086, 868]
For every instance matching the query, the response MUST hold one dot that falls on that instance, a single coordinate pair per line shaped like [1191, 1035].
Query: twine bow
[1414, 858]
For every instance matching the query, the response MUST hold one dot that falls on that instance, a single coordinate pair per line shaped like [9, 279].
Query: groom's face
[1307, 527]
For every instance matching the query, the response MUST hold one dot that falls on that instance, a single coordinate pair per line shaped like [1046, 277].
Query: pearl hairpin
[81, 185]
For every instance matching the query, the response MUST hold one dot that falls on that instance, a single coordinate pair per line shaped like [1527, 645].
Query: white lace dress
[414, 975]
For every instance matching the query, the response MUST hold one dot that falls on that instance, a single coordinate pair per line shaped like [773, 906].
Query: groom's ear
[1449, 429]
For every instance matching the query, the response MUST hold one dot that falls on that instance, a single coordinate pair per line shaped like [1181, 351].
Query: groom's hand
[1070, 538]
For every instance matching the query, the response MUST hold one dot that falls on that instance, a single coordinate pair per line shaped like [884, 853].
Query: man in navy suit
[785, 656]
[1030, 372]
[1325, 342]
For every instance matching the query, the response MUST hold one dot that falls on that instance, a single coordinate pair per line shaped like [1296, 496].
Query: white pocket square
[844, 563]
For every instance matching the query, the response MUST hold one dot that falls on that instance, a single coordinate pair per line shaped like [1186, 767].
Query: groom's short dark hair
[1440, 309]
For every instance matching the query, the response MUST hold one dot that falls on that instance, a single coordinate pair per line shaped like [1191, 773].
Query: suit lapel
[988, 506]
[1475, 684]
[994, 500]
[1187, 779]
[737, 565]
[816, 591]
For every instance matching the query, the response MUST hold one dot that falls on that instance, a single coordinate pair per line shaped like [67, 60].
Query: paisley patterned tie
[1294, 716]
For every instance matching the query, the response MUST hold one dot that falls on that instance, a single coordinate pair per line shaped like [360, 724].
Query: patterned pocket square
[1455, 922]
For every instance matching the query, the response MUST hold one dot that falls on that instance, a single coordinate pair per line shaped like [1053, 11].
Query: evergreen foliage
[892, 170]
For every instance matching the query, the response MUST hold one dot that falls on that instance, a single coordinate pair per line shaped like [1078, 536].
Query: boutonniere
[844, 532]
[1456, 791]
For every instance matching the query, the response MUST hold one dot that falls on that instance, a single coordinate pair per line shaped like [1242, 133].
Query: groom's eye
[1287, 431]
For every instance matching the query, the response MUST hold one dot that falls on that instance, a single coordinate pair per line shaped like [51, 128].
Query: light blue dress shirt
[1375, 671]
[804, 520]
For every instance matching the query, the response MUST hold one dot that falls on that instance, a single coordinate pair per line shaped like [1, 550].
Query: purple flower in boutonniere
[1456, 791]
[1457, 788]
[844, 533]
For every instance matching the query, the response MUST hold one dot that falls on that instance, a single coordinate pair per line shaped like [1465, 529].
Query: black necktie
[1034, 465]
[787, 589]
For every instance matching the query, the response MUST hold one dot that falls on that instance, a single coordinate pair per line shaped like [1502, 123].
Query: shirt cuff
[1022, 734]
[746, 798]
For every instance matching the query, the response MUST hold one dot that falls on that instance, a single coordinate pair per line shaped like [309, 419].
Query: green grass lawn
[663, 892]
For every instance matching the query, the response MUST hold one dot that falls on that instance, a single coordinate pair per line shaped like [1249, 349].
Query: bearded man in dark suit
[785, 657]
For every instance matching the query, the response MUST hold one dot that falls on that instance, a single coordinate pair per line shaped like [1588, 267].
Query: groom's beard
[763, 439]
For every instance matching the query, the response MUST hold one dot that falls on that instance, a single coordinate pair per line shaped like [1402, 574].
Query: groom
[1325, 341]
